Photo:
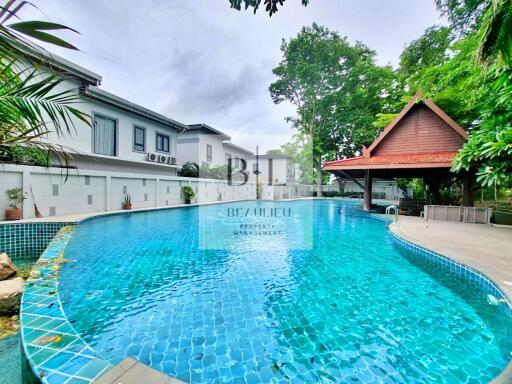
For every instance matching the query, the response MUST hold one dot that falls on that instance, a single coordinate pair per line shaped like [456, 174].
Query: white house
[126, 151]
[202, 144]
[236, 154]
[274, 169]
[124, 136]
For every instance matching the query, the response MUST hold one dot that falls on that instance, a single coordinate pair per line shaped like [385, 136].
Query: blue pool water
[327, 296]
[10, 360]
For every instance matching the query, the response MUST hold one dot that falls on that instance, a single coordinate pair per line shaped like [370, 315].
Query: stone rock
[10, 295]
[7, 268]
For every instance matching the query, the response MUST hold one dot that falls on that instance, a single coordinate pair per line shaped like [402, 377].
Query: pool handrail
[388, 212]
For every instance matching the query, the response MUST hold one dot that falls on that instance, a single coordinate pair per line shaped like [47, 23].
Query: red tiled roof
[416, 160]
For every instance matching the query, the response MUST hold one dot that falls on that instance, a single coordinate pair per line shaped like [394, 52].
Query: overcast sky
[198, 61]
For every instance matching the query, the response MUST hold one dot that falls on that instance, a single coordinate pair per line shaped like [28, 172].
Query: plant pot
[187, 201]
[127, 206]
[13, 214]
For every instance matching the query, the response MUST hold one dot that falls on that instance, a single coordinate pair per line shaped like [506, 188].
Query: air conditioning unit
[162, 159]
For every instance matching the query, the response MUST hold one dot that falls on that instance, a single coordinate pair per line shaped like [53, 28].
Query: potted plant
[127, 204]
[16, 198]
[188, 193]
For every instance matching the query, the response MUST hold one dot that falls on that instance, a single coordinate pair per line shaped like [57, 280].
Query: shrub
[187, 192]
[16, 197]
[189, 169]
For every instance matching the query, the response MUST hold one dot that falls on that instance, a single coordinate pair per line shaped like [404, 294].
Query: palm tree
[30, 106]
[496, 33]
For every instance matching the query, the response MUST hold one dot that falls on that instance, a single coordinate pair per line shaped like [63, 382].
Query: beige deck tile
[130, 371]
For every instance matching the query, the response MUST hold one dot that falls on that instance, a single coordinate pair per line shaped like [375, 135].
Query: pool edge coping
[505, 376]
[53, 348]
[48, 266]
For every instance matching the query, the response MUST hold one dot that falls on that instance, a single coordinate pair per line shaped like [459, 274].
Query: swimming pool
[315, 292]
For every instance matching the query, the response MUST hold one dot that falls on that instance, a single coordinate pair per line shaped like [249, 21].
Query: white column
[25, 187]
[108, 191]
[157, 192]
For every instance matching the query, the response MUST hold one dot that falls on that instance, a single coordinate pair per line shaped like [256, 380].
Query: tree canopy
[271, 6]
[343, 99]
[429, 50]
[463, 15]
[336, 89]
[466, 69]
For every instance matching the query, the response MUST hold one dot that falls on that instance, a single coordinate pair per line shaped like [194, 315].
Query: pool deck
[130, 371]
[77, 217]
[485, 248]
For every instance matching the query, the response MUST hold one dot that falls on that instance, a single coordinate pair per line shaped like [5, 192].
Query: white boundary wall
[87, 191]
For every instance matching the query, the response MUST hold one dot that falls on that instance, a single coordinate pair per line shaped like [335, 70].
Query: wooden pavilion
[420, 142]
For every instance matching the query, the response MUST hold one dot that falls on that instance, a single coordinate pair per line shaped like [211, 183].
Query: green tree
[218, 172]
[275, 152]
[463, 15]
[336, 89]
[496, 33]
[301, 153]
[271, 6]
[489, 148]
[430, 50]
[458, 85]
[490, 145]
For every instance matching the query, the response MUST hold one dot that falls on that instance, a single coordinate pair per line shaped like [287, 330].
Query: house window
[105, 131]
[237, 162]
[228, 156]
[208, 152]
[139, 139]
[162, 143]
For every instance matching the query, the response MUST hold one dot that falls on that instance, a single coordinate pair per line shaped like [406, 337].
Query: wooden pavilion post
[367, 190]
[468, 195]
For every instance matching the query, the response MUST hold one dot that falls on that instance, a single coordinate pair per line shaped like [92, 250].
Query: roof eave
[388, 166]
[205, 127]
[116, 101]
[60, 64]
[241, 149]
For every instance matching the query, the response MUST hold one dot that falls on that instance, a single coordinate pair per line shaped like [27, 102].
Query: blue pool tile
[56, 378]
[74, 365]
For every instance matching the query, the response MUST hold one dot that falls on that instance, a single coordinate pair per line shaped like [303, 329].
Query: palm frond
[33, 103]
[496, 33]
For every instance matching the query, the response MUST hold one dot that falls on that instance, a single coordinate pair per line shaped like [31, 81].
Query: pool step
[130, 371]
